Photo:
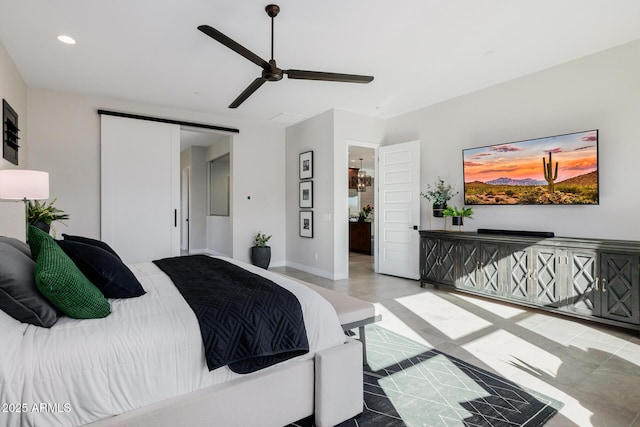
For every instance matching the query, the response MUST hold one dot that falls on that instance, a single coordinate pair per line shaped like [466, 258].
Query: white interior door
[398, 211]
[140, 185]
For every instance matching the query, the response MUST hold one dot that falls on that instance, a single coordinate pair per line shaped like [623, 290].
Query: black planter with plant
[439, 194]
[42, 214]
[260, 252]
[457, 215]
[438, 209]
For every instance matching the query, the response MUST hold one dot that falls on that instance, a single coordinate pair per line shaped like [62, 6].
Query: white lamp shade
[20, 184]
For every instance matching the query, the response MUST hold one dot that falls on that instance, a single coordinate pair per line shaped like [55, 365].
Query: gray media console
[588, 278]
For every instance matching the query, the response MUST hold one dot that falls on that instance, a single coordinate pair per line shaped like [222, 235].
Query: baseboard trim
[315, 271]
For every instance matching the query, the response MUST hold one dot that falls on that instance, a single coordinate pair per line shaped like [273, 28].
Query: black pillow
[19, 296]
[103, 269]
[19, 245]
[93, 242]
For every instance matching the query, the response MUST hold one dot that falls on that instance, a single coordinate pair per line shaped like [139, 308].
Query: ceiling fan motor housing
[273, 73]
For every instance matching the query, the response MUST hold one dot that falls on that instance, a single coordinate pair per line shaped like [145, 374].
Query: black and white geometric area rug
[408, 384]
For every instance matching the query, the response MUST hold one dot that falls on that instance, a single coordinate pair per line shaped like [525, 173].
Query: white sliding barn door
[140, 182]
[399, 209]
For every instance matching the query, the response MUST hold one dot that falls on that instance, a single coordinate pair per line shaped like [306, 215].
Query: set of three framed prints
[305, 200]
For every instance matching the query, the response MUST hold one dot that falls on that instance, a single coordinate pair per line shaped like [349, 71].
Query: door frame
[185, 205]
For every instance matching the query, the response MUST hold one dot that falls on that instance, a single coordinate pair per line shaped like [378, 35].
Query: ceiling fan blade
[233, 45]
[254, 86]
[331, 77]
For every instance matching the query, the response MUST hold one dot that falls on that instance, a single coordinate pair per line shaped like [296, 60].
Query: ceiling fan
[270, 71]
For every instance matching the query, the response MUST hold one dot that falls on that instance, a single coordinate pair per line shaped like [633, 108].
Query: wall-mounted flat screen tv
[558, 170]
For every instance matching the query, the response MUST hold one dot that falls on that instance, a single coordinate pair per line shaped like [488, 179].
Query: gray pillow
[19, 296]
[19, 245]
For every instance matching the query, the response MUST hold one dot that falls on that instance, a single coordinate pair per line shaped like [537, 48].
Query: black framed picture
[306, 224]
[306, 194]
[10, 133]
[306, 165]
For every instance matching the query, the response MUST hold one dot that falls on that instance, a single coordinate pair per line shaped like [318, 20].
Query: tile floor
[593, 369]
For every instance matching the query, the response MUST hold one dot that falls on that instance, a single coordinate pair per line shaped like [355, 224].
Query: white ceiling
[420, 51]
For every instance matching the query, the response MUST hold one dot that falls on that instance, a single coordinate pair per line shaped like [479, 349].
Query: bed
[144, 365]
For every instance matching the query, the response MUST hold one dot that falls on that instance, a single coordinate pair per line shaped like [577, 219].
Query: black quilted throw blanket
[247, 322]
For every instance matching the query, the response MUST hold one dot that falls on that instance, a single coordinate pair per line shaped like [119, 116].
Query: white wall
[327, 253]
[219, 228]
[14, 90]
[198, 200]
[599, 91]
[313, 255]
[64, 133]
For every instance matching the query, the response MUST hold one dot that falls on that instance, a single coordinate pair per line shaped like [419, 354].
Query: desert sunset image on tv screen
[560, 169]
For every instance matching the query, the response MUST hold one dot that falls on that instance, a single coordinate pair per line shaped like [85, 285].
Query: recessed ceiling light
[66, 39]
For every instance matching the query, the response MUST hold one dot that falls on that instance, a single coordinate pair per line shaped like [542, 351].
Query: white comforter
[148, 349]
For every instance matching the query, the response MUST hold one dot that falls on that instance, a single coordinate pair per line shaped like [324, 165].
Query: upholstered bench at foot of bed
[339, 388]
[352, 312]
[329, 386]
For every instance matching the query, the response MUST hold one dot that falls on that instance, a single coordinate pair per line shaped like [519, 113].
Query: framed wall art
[9, 133]
[306, 165]
[306, 224]
[306, 194]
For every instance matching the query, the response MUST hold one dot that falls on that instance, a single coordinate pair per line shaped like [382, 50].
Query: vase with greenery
[439, 194]
[43, 215]
[260, 252]
[457, 214]
[364, 213]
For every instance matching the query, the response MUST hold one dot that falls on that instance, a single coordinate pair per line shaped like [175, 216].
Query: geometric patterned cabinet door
[438, 261]
[583, 288]
[619, 298]
[469, 277]
[448, 262]
[429, 259]
[519, 273]
[480, 267]
[490, 276]
[548, 276]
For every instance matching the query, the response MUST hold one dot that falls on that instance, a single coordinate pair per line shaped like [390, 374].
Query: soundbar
[516, 232]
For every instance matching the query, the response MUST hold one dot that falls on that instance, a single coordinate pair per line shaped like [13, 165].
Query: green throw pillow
[62, 283]
[35, 237]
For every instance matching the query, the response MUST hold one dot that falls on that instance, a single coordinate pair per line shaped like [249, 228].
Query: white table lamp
[25, 185]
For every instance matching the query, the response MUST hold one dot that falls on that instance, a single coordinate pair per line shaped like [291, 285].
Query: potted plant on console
[457, 214]
[439, 194]
[260, 252]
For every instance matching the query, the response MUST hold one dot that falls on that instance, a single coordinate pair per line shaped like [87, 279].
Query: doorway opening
[206, 196]
[362, 198]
